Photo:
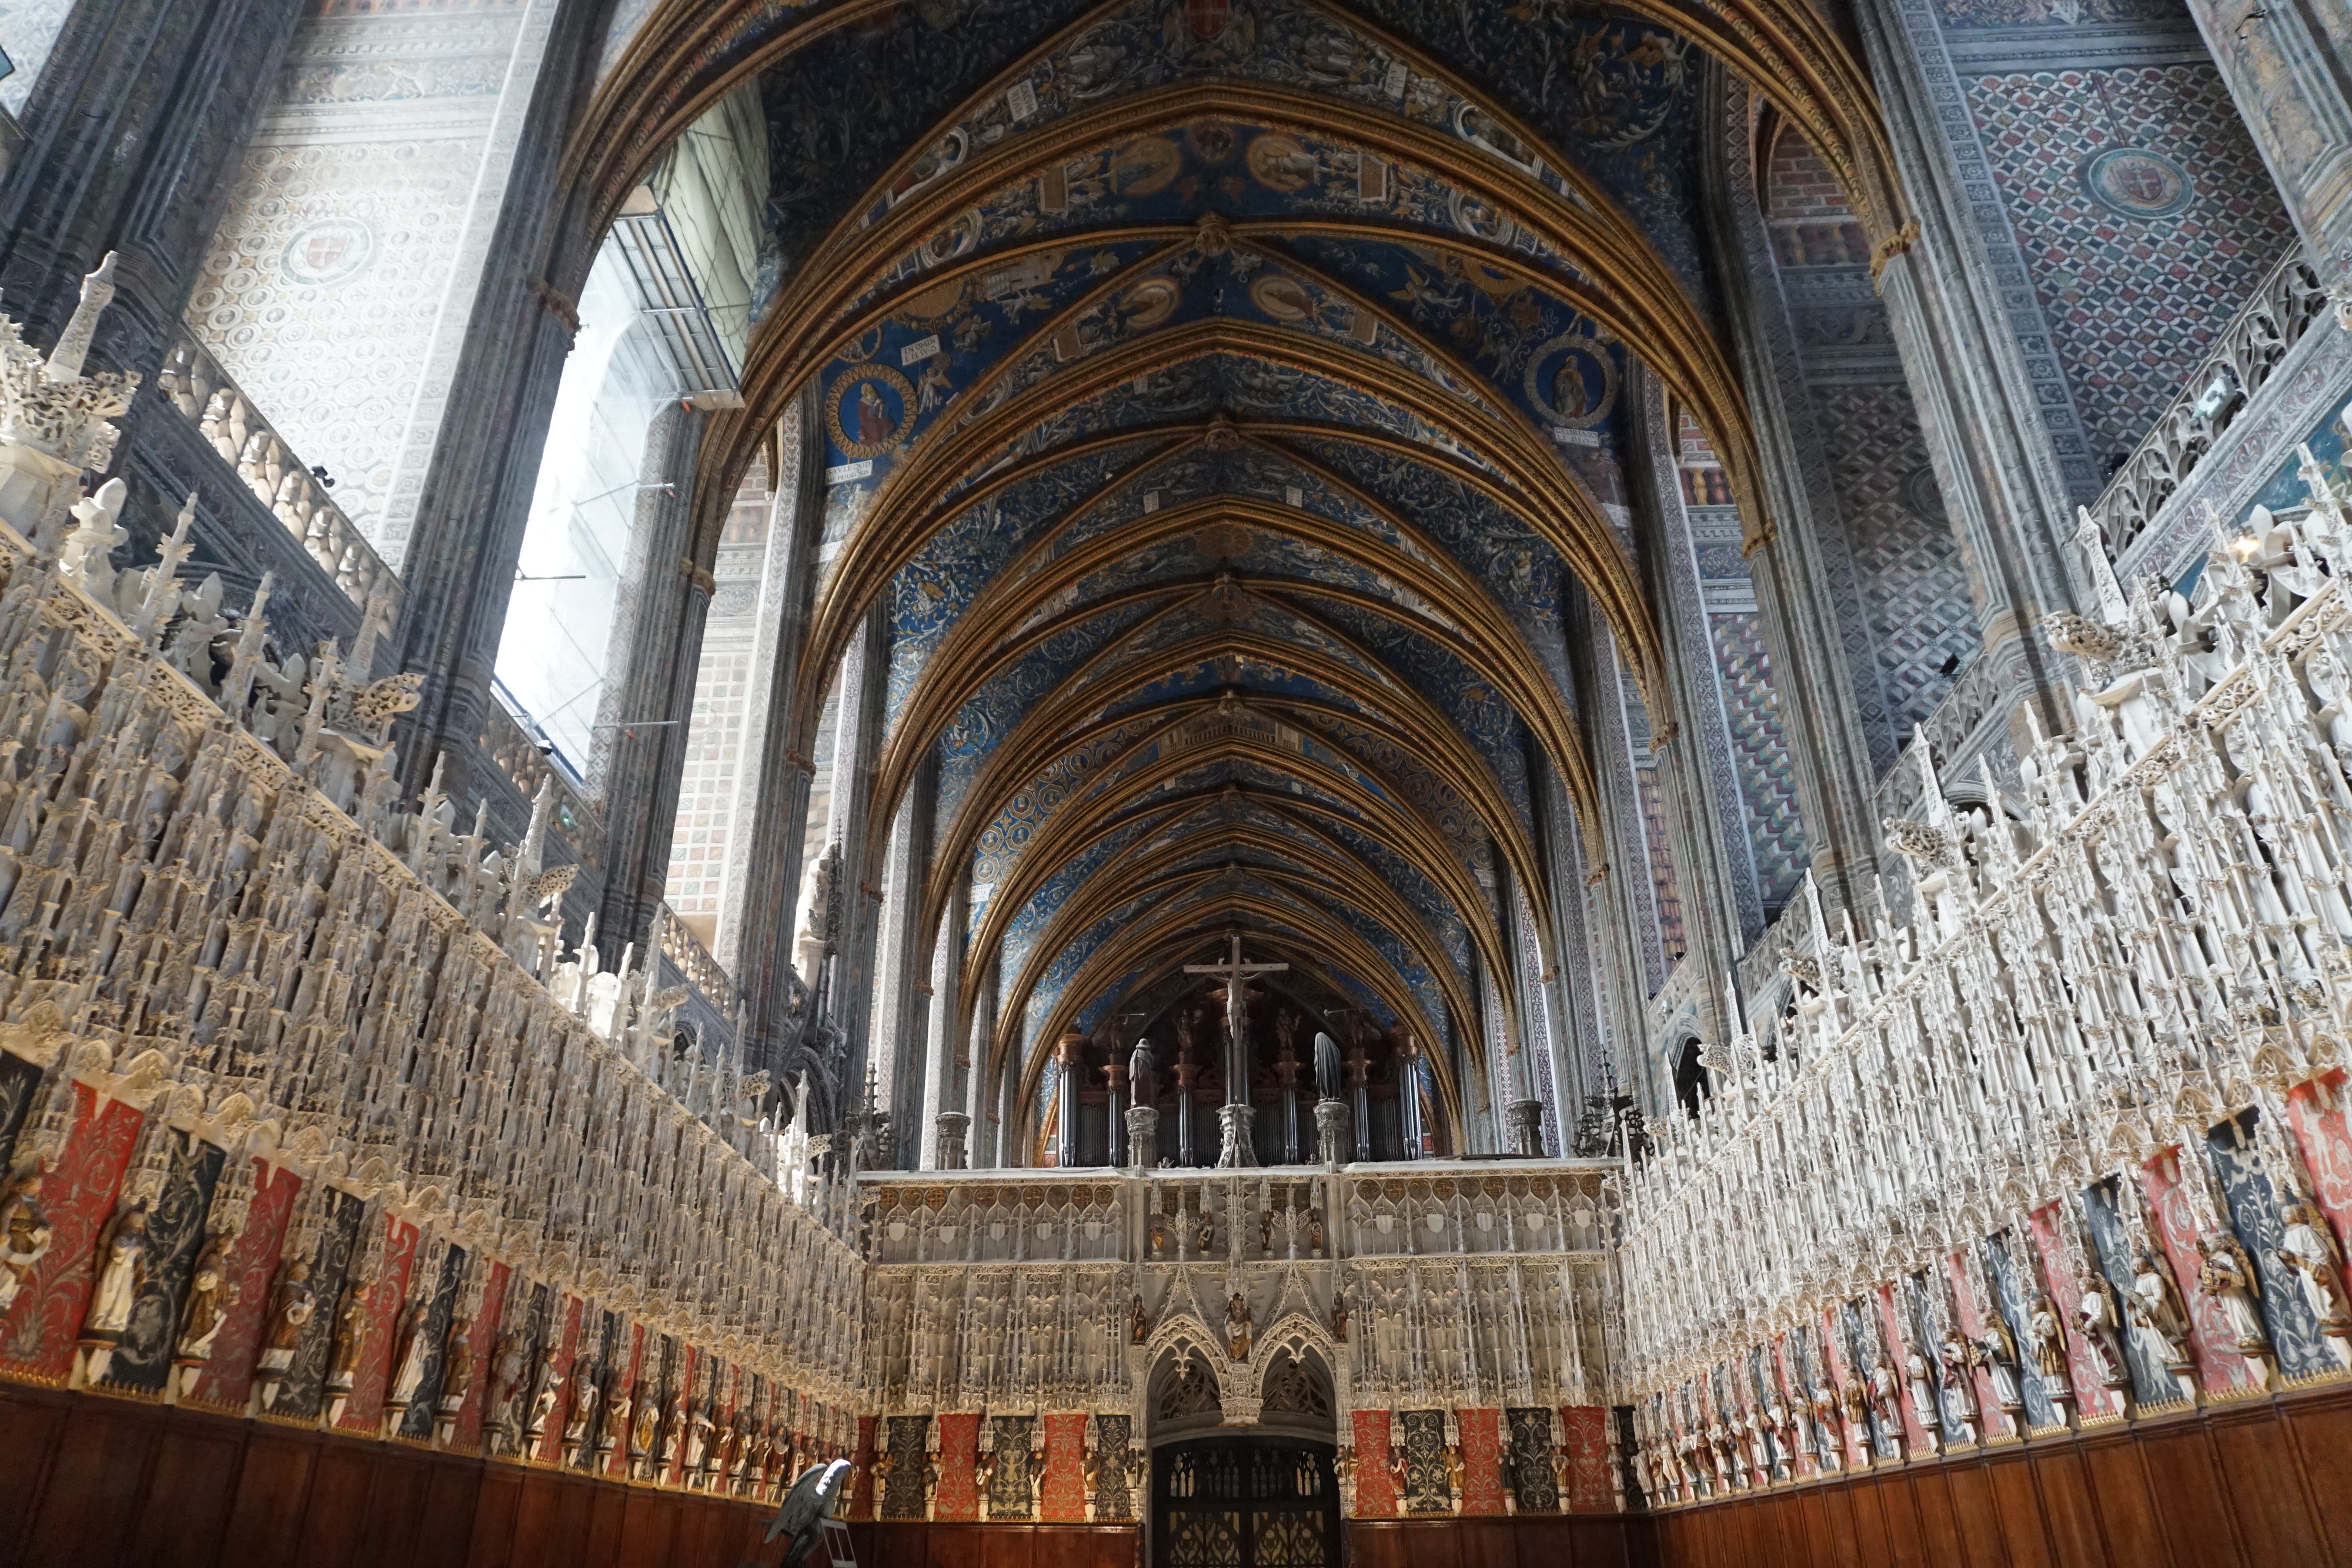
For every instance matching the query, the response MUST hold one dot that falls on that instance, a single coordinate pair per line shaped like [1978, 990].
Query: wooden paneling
[2253, 1485]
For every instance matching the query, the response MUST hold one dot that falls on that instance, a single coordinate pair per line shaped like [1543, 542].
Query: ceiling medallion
[867, 414]
[2137, 183]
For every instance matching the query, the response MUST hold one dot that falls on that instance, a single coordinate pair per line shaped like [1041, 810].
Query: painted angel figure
[26, 1233]
[2154, 1309]
[2097, 1321]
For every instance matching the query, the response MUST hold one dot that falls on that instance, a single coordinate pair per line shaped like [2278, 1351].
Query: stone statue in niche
[582, 1414]
[546, 1388]
[2310, 1251]
[343, 1356]
[819, 899]
[1314, 1231]
[1826, 1450]
[211, 1294]
[1997, 1353]
[612, 1437]
[409, 1353]
[2160, 1321]
[122, 1264]
[26, 1233]
[1919, 1376]
[1265, 1232]
[1139, 1321]
[1885, 1396]
[1458, 1475]
[509, 1364]
[2226, 1275]
[457, 1377]
[698, 1439]
[644, 1437]
[2047, 1330]
[1340, 1317]
[1237, 1327]
[292, 1305]
[1960, 1361]
[2098, 1323]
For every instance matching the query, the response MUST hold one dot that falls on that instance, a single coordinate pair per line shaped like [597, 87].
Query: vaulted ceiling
[1219, 398]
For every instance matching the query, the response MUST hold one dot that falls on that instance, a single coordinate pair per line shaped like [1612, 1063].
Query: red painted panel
[468, 1434]
[1585, 1431]
[551, 1441]
[2326, 1143]
[252, 1266]
[1482, 1461]
[363, 1412]
[1375, 1489]
[37, 1336]
[861, 1496]
[957, 1496]
[1062, 1495]
[2094, 1398]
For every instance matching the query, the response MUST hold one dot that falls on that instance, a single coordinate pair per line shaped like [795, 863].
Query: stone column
[902, 1019]
[939, 1085]
[1331, 1130]
[648, 698]
[977, 1079]
[133, 134]
[1143, 1136]
[467, 525]
[1070, 1052]
[857, 744]
[947, 1152]
[1285, 1070]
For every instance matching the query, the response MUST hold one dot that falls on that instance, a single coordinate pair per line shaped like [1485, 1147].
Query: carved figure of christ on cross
[1233, 972]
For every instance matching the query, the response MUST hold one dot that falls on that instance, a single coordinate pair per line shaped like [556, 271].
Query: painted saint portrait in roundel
[1571, 380]
[867, 410]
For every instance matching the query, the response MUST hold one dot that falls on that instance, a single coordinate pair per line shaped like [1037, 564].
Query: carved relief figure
[122, 1264]
[2159, 1320]
[1237, 1327]
[410, 1351]
[2226, 1275]
[2098, 1321]
[457, 1376]
[1139, 1322]
[577, 1420]
[343, 1353]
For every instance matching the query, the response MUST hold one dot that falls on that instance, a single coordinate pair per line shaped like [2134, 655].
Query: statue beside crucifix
[1235, 1117]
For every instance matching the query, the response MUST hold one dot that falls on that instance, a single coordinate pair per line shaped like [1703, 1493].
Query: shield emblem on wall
[1207, 18]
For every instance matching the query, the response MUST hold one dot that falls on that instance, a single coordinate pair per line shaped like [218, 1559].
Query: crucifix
[1232, 971]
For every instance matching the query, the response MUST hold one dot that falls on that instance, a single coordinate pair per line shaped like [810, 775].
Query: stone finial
[73, 343]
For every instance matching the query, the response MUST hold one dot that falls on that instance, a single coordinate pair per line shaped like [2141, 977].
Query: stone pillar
[1142, 1136]
[947, 1153]
[1523, 1121]
[939, 1082]
[466, 528]
[648, 697]
[133, 134]
[1235, 1149]
[858, 743]
[756, 941]
[1331, 1131]
[1286, 1070]
[902, 1025]
[1070, 1052]
[977, 1082]
[1010, 1148]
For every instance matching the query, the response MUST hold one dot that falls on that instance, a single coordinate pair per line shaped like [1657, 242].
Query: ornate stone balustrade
[1460, 1290]
[2282, 307]
[213, 914]
[684, 949]
[2044, 1156]
[278, 479]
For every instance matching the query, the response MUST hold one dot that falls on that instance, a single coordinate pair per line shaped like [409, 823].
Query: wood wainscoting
[2264, 1484]
[1521, 1541]
[91, 1481]
[895, 1545]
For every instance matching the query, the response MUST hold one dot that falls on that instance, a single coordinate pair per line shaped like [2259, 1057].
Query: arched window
[1690, 1084]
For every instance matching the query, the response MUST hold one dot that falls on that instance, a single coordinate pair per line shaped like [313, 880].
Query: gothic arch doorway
[1259, 1496]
